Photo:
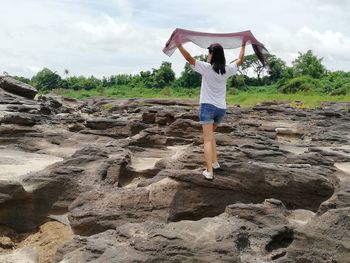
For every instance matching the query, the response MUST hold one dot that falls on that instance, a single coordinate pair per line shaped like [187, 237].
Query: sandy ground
[45, 241]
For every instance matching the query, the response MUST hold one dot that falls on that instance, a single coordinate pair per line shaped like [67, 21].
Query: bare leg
[208, 135]
[213, 143]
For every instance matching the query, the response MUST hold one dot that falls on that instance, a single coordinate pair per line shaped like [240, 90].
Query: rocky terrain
[111, 180]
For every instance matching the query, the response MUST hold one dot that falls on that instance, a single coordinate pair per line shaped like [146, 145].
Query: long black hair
[218, 60]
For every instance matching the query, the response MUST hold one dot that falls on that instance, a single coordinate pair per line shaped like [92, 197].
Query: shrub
[341, 91]
[299, 84]
[238, 82]
[101, 90]
[166, 92]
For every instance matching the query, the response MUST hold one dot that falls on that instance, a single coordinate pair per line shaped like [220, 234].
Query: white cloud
[127, 36]
[34, 69]
[328, 43]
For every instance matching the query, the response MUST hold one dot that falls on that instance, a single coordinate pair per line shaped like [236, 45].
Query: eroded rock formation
[125, 175]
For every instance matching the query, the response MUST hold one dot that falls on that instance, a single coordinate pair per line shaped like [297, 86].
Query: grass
[249, 98]
[127, 92]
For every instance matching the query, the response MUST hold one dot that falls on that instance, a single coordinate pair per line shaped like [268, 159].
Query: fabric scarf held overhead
[227, 40]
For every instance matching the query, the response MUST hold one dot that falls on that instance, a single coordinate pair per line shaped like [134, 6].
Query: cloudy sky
[102, 38]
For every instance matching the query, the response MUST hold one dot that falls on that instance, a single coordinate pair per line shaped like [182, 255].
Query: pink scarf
[204, 40]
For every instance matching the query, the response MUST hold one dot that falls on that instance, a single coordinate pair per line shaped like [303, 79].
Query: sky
[109, 37]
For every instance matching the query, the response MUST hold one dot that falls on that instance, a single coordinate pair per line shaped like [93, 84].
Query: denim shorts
[208, 113]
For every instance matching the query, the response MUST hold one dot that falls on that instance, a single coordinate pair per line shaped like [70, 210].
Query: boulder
[184, 195]
[17, 87]
[243, 233]
[324, 239]
[25, 205]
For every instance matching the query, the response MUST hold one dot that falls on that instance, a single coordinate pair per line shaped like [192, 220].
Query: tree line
[307, 74]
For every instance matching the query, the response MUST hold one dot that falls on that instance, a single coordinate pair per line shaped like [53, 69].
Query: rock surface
[24, 255]
[247, 232]
[128, 173]
[14, 86]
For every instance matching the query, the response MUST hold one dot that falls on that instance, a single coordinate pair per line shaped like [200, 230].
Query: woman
[212, 96]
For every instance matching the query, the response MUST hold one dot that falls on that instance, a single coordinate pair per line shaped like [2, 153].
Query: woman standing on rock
[212, 96]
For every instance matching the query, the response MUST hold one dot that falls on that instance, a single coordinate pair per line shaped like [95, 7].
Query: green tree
[146, 79]
[46, 80]
[308, 64]
[119, 80]
[252, 62]
[66, 72]
[22, 79]
[163, 76]
[105, 82]
[81, 82]
[237, 82]
[277, 68]
[190, 78]
[92, 83]
[75, 83]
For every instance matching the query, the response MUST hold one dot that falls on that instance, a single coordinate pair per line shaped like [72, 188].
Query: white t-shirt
[213, 88]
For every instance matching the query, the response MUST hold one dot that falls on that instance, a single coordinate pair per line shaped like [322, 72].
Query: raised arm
[240, 59]
[186, 55]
